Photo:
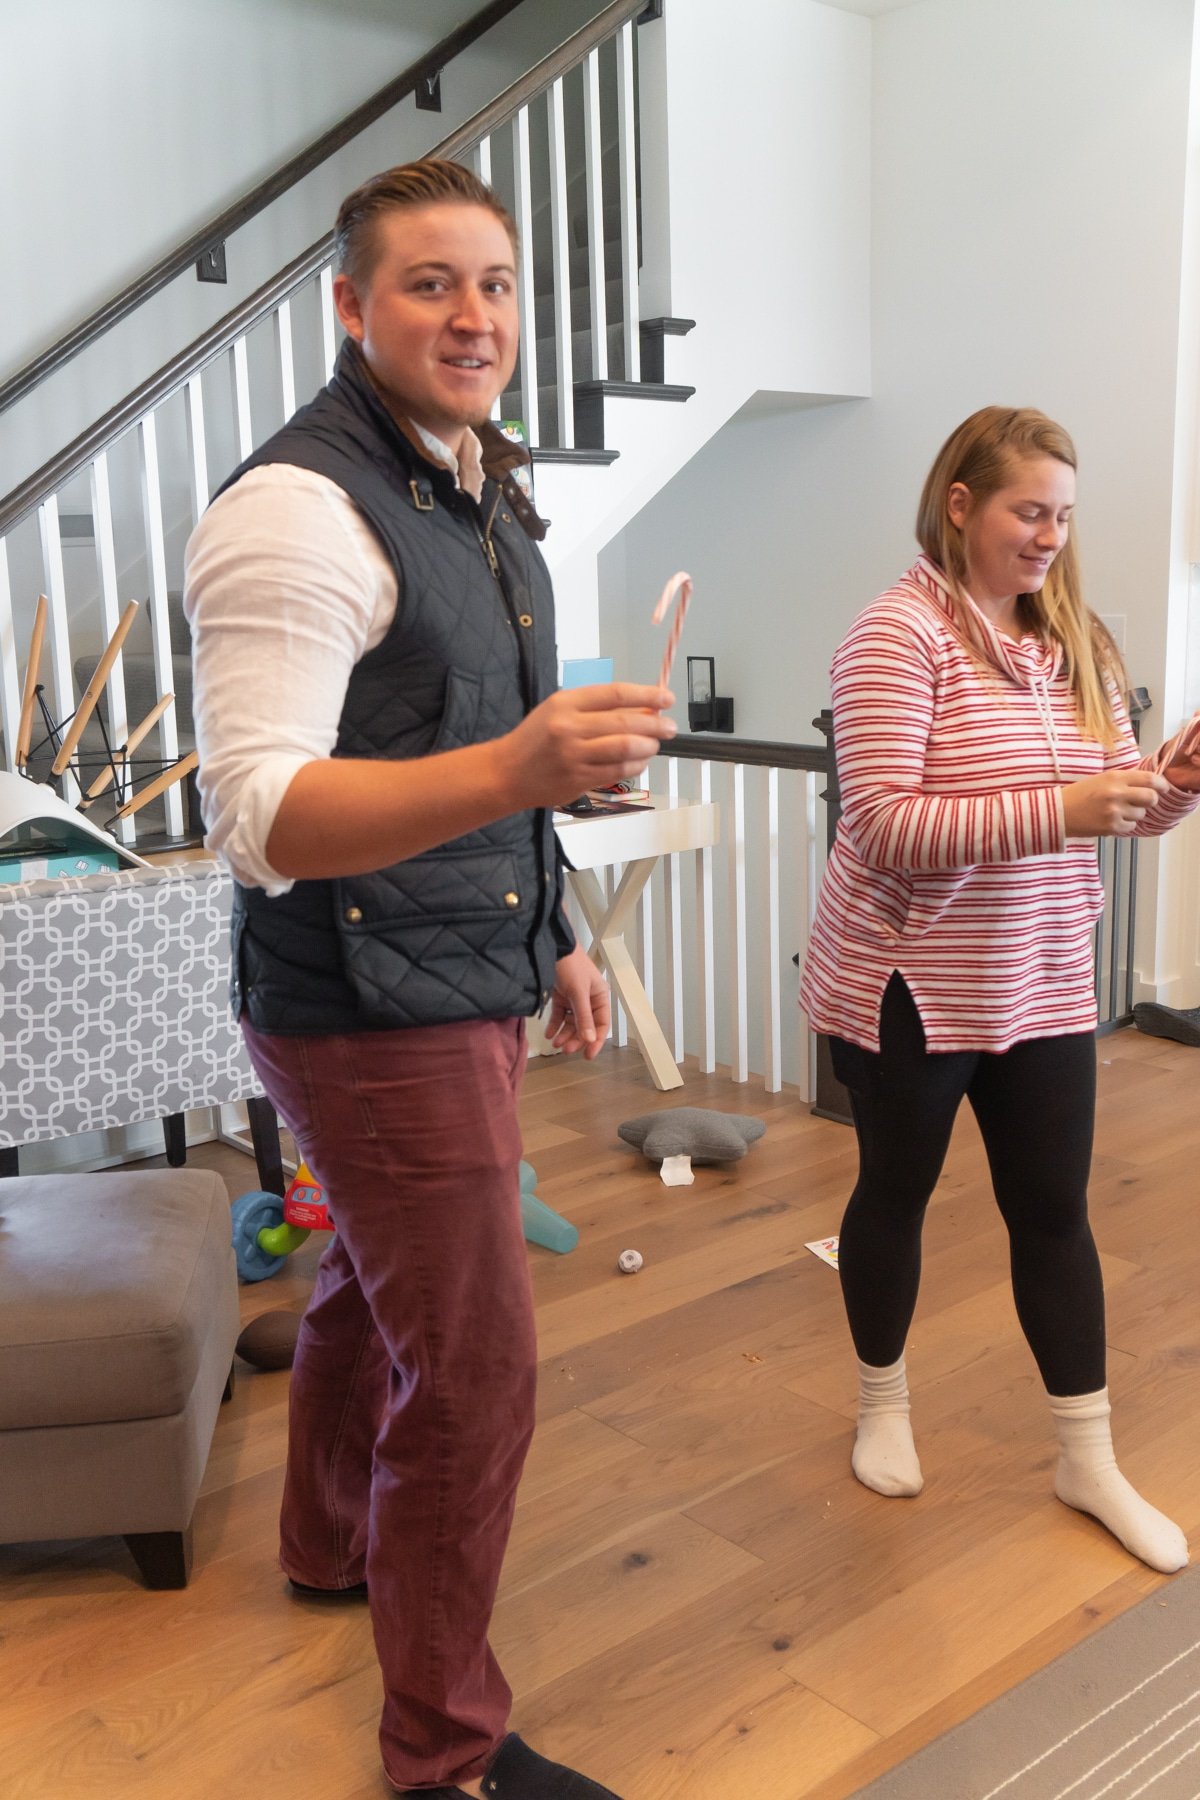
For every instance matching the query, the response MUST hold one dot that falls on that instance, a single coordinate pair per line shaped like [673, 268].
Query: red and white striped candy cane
[680, 585]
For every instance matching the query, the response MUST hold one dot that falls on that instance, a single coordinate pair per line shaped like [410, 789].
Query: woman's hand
[1112, 804]
[579, 1006]
[1183, 770]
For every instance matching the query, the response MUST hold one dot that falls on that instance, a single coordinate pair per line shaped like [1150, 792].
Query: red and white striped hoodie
[951, 864]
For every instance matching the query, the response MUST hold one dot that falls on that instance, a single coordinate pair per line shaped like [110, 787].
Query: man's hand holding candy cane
[590, 737]
[582, 738]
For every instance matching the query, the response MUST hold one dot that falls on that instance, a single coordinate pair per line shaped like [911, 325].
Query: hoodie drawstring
[1041, 699]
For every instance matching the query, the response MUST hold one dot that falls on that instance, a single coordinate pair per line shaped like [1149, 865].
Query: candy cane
[680, 585]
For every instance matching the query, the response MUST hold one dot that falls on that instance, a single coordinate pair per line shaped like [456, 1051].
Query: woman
[982, 745]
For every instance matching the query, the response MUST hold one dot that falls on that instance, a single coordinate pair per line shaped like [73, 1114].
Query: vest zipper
[485, 544]
[485, 541]
[525, 665]
[493, 562]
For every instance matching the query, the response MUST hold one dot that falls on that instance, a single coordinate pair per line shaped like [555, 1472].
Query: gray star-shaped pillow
[695, 1131]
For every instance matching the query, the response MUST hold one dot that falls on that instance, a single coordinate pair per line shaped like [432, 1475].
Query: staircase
[109, 518]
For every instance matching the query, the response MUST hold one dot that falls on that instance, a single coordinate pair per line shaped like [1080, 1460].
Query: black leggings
[1035, 1105]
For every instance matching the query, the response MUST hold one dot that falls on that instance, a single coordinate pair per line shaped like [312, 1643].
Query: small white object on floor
[676, 1171]
[826, 1249]
[629, 1262]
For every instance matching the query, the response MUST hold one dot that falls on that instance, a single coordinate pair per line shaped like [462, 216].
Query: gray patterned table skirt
[114, 1001]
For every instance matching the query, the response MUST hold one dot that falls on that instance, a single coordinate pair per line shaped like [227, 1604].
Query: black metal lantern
[702, 683]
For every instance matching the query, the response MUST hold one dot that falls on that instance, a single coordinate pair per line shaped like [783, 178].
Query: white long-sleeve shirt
[286, 587]
[951, 864]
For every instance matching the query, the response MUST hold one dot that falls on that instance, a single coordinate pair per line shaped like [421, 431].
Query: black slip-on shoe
[518, 1773]
[1179, 1022]
[357, 1591]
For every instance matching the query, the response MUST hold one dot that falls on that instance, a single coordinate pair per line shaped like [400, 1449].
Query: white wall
[1027, 171]
[756, 225]
[125, 127]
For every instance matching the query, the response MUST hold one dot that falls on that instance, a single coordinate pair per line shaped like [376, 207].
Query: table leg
[264, 1135]
[608, 923]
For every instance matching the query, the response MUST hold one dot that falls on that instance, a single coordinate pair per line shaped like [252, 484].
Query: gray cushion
[695, 1131]
[108, 1287]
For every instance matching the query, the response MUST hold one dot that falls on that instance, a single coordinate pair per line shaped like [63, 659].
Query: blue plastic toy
[541, 1224]
[268, 1227]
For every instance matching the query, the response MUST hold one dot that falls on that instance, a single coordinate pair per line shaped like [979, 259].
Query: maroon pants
[412, 1391]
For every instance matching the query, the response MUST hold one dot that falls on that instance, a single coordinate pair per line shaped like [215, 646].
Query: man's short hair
[430, 182]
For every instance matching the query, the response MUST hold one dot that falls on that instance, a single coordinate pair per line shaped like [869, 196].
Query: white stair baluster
[705, 948]
[593, 151]
[525, 283]
[483, 168]
[11, 660]
[117, 717]
[559, 225]
[241, 398]
[287, 363]
[627, 150]
[810, 871]
[739, 1064]
[197, 447]
[62, 684]
[673, 924]
[160, 613]
[328, 322]
[772, 1005]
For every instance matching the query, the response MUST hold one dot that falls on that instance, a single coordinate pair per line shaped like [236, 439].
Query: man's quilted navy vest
[469, 930]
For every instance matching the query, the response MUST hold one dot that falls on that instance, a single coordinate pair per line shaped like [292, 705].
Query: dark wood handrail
[254, 201]
[160, 386]
[762, 753]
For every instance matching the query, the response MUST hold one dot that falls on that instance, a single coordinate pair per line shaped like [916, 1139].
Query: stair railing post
[528, 293]
[593, 145]
[160, 614]
[10, 668]
[739, 1052]
[627, 155]
[832, 1101]
[560, 232]
[772, 962]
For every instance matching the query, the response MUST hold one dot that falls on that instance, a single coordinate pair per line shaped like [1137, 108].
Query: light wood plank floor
[699, 1599]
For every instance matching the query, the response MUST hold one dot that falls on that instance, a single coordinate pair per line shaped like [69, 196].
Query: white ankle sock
[885, 1457]
[1089, 1480]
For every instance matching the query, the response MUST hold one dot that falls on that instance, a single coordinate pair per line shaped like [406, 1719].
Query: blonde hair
[983, 454]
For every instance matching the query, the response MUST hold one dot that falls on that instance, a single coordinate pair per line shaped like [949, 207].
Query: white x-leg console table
[637, 839]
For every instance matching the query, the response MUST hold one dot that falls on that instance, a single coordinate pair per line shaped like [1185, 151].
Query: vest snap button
[512, 899]
[354, 915]
[527, 619]
[506, 518]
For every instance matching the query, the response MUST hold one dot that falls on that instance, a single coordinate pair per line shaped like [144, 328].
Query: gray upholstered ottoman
[118, 1320]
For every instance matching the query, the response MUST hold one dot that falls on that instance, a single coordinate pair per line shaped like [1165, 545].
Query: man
[380, 742]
